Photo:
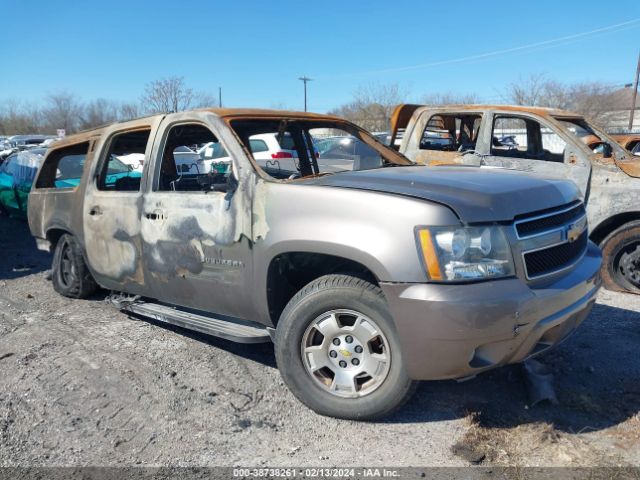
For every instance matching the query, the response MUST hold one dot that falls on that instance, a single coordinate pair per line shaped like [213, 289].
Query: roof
[226, 113]
[542, 111]
[268, 113]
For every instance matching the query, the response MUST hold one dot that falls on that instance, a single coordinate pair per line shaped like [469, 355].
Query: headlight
[465, 253]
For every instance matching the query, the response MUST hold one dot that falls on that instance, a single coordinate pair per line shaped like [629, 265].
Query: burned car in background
[630, 141]
[368, 272]
[550, 142]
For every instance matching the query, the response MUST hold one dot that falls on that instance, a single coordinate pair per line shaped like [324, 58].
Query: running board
[234, 330]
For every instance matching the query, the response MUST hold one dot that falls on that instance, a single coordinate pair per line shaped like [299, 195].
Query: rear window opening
[63, 167]
[290, 149]
[451, 132]
[121, 169]
[525, 138]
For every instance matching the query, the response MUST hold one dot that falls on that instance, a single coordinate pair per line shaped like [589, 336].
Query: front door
[191, 221]
[524, 143]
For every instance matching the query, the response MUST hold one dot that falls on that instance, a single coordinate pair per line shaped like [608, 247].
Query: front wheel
[621, 258]
[338, 350]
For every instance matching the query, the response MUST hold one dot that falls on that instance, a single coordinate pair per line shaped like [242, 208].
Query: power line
[544, 43]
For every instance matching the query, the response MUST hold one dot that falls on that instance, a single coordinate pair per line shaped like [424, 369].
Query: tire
[358, 307]
[621, 258]
[69, 273]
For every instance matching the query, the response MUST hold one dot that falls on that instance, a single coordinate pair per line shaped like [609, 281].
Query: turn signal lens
[429, 255]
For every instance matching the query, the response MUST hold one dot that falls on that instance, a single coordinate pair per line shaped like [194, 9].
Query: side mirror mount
[208, 184]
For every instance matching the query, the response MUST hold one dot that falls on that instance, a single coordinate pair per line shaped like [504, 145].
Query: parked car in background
[345, 153]
[16, 176]
[550, 142]
[23, 142]
[47, 142]
[5, 150]
[366, 278]
[134, 160]
[19, 170]
[382, 137]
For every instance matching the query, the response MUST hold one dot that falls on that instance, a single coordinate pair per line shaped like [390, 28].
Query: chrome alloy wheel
[346, 353]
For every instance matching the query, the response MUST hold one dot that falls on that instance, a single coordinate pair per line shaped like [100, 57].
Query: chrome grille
[546, 222]
[552, 241]
[553, 259]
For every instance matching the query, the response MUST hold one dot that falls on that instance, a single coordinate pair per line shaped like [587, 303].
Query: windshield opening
[287, 149]
[594, 138]
[585, 132]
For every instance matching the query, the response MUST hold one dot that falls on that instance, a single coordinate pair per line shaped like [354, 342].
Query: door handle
[95, 210]
[155, 215]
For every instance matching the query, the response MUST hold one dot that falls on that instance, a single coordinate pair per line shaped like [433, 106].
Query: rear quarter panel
[59, 208]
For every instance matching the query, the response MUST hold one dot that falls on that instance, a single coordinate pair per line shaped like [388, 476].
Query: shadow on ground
[20, 257]
[596, 378]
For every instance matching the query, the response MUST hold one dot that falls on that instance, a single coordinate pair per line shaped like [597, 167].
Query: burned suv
[367, 272]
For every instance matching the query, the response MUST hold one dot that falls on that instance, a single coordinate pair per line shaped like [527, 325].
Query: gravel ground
[83, 384]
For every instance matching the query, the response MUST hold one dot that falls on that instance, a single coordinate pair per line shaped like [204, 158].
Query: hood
[474, 194]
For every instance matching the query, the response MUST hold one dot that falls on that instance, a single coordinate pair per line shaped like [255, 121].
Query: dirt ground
[83, 384]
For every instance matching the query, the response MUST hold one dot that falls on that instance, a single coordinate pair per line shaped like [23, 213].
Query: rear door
[527, 143]
[111, 209]
[438, 137]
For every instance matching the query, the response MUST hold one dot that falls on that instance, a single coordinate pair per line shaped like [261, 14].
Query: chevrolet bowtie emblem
[575, 230]
[346, 353]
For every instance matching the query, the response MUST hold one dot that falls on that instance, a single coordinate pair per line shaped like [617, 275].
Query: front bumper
[454, 331]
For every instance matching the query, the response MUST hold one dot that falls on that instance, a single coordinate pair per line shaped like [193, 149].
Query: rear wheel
[69, 273]
[338, 350]
[621, 258]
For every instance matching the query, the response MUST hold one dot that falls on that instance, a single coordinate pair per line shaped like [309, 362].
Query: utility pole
[220, 97]
[305, 79]
[635, 96]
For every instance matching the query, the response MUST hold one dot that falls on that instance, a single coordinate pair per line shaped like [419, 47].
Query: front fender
[371, 228]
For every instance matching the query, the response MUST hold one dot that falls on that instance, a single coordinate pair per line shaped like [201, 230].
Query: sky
[256, 50]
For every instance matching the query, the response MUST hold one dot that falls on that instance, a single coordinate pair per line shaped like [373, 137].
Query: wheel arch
[288, 272]
[53, 235]
[611, 224]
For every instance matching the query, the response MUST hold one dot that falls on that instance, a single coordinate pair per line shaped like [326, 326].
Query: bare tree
[129, 111]
[17, 118]
[99, 112]
[62, 110]
[595, 100]
[204, 100]
[372, 106]
[598, 101]
[528, 91]
[449, 98]
[167, 95]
